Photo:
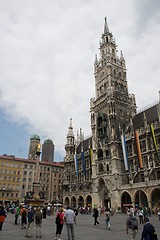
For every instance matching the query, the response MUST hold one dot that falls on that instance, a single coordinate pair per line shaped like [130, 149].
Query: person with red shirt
[2, 216]
[59, 223]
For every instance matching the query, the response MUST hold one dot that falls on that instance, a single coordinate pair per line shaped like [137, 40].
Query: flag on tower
[154, 138]
[83, 163]
[125, 155]
[76, 164]
[138, 149]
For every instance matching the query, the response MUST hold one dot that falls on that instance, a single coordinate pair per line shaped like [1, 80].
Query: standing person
[59, 224]
[70, 219]
[38, 222]
[140, 214]
[48, 210]
[158, 214]
[131, 226]
[95, 215]
[107, 218]
[2, 216]
[44, 211]
[17, 213]
[148, 232]
[30, 222]
[23, 213]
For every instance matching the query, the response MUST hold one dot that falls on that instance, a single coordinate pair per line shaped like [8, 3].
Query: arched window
[100, 154]
[100, 168]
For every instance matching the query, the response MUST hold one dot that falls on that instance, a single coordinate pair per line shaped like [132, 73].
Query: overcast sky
[47, 52]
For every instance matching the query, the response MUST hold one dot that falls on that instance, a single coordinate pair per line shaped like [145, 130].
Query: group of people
[148, 232]
[28, 216]
[107, 215]
[31, 215]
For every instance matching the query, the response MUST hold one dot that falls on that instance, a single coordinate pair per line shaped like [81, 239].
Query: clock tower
[111, 111]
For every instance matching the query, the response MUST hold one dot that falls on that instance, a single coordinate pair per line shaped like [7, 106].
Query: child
[107, 217]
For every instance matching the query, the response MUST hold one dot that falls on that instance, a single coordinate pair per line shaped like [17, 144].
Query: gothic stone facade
[106, 182]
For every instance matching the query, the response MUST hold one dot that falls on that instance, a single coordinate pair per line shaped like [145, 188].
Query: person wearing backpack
[148, 232]
[38, 222]
[59, 223]
[132, 226]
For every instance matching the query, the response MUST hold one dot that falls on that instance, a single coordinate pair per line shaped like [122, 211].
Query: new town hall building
[119, 165]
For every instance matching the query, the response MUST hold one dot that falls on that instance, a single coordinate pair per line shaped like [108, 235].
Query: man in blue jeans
[70, 220]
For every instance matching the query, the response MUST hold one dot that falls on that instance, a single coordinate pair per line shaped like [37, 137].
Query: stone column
[36, 184]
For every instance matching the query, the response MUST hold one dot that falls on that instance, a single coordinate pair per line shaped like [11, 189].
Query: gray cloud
[47, 55]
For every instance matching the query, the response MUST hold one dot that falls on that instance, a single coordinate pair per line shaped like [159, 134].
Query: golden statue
[38, 147]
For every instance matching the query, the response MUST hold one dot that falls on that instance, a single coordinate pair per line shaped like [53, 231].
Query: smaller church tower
[69, 165]
[47, 151]
[70, 145]
[34, 140]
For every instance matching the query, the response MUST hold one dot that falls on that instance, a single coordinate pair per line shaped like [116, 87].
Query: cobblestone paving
[84, 229]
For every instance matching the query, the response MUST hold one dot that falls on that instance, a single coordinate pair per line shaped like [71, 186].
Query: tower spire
[106, 29]
[70, 129]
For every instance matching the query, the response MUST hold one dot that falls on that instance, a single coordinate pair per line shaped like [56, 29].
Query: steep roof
[151, 116]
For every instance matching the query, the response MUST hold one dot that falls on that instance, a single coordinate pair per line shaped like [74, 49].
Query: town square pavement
[84, 229]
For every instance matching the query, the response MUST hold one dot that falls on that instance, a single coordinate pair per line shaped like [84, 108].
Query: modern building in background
[17, 175]
[119, 166]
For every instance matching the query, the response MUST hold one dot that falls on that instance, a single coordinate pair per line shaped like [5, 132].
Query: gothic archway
[100, 154]
[155, 200]
[81, 201]
[104, 194]
[88, 201]
[126, 201]
[100, 168]
[73, 202]
[66, 201]
[141, 199]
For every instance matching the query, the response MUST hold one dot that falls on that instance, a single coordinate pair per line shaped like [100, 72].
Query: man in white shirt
[70, 220]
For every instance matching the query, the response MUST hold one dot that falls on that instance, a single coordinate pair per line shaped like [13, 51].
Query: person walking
[131, 226]
[95, 215]
[59, 224]
[30, 222]
[148, 232]
[38, 222]
[107, 218]
[2, 216]
[70, 220]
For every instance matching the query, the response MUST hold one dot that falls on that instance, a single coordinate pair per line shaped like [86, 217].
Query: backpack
[38, 217]
[58, 220]
[134, 223]
[24, 213]
[153, 233]
[107, 216]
